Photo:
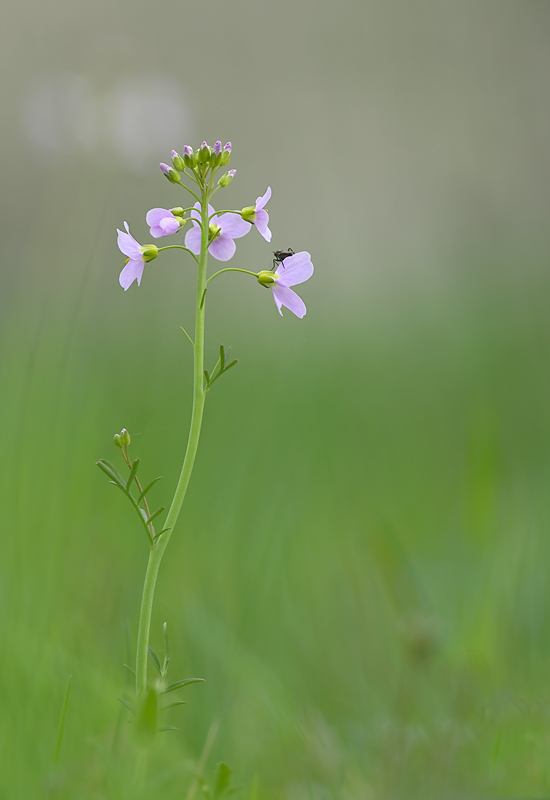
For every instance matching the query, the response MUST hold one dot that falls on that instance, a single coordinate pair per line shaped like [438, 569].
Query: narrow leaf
[190, 339]
[232, 364]
[222, 779]
[207, 376]
[149, 486]
[166, 648]
[62, 718]
[173, 705]
[155, 514]
[164, 530]
[127, 704]
[111, 472]
[133, 471]
[168, 728]
[129, 668]
[179, 684]
[155, 659]
[222, 357]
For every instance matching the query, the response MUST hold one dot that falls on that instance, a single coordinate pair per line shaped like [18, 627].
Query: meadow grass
[360, 572]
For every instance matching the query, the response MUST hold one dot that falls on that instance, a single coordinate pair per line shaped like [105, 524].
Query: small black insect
[280, 256]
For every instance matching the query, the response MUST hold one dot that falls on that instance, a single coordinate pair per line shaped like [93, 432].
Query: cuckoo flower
[222, 231]
[162, 222]
[138, 255]
[258, 216]
[293, 270]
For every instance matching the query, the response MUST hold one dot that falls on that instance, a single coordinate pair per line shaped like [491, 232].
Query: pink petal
[261, 220]
[294, 269]
[233, 225]
[168, 225]
[154, 216]
[193, 239]
[196, 214]
[127, 244]
[284, 296]
[223, 248]
[131, 272]
[264, 199]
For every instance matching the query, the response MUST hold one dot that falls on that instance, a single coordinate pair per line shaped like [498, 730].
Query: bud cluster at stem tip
[200, 164]
[122, 439]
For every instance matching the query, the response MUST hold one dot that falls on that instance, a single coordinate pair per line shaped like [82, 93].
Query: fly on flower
[291, 270]
[280, 255]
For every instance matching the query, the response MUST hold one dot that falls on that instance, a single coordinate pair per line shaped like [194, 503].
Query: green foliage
[360, 573]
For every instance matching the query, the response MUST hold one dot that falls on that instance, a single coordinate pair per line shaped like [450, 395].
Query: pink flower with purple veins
[161, 222]
[222, 231]
[138, 256]
[293, 270]
[258, 216]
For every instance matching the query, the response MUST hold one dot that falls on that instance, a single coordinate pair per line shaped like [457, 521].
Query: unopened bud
[204, 153]
[177, 161]
[214, 231]
[266, 278]
[122, 439]
[177, 211]
[170, 173]
[226, 155]
[189, 158]
[226, 179]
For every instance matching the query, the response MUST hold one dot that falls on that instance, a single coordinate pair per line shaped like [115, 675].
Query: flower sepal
[248, 213]
[266, 278]
[149, 251]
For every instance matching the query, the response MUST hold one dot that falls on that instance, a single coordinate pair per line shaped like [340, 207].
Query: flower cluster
[200, 166]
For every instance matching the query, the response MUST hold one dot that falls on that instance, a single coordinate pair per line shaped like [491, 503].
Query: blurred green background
[361, 569]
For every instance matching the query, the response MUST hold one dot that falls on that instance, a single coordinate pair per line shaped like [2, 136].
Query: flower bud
[122, 439]
[150, 251]
[266, 278]
[217, 148]
[248, 213]
[214, 231]
[170, 173]
[226, 179]
[177, 161]
[177, 211]
[226, 155]
[204, 153]
[189, 158]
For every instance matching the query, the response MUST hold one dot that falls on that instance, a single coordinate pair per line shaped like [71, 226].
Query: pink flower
[258, 216]
[138, 256]
[222, 232]
[293, 270]
[261, 217]
[161, 222]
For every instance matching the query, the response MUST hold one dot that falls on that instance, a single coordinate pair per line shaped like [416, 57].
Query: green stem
[230, 269]
[157, 550]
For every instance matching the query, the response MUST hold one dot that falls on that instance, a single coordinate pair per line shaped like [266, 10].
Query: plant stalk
[158, 548]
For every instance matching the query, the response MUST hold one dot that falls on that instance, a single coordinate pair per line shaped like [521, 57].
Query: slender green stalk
[230, 269]
[158, 548]
[62, 718]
